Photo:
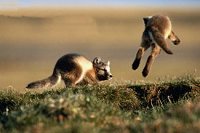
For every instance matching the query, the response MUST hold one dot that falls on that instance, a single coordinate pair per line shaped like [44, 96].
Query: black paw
[168, 51]
[135, 64]
[176, 42]
[145, 72]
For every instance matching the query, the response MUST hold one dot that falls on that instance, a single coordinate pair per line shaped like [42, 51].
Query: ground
[163, 106]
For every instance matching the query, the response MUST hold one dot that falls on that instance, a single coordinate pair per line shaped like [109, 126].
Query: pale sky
[51, 3]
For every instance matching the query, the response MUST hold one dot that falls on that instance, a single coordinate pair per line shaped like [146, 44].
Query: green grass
[165, 106]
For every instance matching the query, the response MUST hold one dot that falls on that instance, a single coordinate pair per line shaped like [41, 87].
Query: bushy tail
[158, 37]
[45, 83]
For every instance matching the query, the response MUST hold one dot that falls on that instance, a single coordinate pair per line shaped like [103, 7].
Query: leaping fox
[157, 29]
[75, 69]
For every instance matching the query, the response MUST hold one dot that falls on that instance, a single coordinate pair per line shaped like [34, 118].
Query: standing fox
[75, 69]
[157, 29]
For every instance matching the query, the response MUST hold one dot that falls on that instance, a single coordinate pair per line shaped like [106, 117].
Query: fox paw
[135, 64]
[145, 72]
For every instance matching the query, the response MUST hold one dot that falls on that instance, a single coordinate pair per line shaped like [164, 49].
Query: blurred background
[34, 34]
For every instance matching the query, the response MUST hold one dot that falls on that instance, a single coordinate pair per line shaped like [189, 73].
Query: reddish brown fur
[157, 29]
[74, 69]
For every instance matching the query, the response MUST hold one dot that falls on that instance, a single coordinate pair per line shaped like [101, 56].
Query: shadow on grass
[158, 94]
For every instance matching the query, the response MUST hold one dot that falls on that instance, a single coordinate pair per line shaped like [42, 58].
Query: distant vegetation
[31, 40]
[165, 106]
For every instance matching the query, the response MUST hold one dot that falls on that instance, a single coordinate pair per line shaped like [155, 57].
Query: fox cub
[157, 29]
[74, 69]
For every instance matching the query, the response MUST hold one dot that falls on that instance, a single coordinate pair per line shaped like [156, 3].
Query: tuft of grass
[171, 106]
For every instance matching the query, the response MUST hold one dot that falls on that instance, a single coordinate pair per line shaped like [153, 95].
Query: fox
[75, 69]
[158, 29]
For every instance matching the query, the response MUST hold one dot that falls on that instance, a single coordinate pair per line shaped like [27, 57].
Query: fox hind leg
[155, 52]
[68, 82]
[138, 57]
[159, 39]
[74, 77]
[72, 81]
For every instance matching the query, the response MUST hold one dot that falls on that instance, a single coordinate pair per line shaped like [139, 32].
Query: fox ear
[96, 60]
[145, 20]
[108, 63]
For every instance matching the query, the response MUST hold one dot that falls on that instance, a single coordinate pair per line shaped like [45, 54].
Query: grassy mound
[169, 106]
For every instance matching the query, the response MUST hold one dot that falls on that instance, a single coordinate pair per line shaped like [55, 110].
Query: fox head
[102, 69]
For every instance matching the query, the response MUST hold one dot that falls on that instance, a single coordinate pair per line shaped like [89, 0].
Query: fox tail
[49, 82]
[158, 37]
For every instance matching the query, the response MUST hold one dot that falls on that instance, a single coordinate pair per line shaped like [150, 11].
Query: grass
[163, 106]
